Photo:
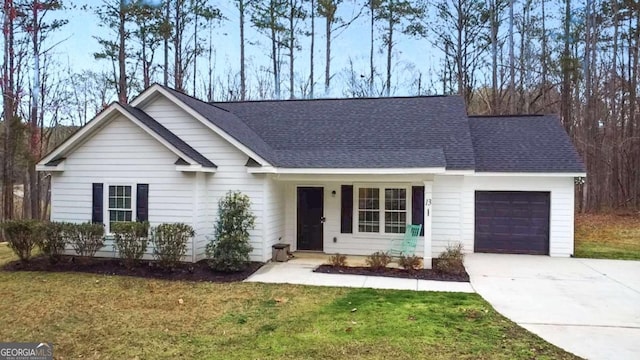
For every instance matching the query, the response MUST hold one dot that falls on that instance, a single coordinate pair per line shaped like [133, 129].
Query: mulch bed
[199, 271]
[422, 274]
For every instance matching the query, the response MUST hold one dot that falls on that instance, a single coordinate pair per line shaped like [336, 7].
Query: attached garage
[512, 222]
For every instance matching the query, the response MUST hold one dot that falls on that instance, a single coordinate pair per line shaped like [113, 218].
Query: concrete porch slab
[300, 271]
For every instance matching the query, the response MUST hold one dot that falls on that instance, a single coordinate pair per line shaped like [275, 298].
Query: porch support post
[428, 194]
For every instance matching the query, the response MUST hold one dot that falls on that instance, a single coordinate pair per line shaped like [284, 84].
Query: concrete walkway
[300, 271]
[588, 307]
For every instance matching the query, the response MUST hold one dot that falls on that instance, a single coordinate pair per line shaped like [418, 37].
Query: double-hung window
[120, 204]
[382, 209]
[395, 210]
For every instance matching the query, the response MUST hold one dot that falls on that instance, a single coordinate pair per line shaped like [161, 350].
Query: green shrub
[86, 238]
[451, 261]
[338, 260]
[22, 236]
[410, 262]
[54, 239]
[130, 240]
[170, 243]
[229, 250]
[378, 260]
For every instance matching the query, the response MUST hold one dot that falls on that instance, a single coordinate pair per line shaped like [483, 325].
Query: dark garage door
[513, 222]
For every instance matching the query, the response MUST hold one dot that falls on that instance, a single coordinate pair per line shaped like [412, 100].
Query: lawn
[608, 236]
[110, 317]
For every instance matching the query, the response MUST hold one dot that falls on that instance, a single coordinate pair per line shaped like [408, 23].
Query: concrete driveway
[588, 307]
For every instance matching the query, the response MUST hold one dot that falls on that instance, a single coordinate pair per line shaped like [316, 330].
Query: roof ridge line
[331, 99]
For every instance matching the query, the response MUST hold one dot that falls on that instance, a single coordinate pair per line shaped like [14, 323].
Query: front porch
[356, 215]
[299, 270]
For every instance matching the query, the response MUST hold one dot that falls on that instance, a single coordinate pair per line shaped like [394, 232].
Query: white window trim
[105, 204]
[381, 186]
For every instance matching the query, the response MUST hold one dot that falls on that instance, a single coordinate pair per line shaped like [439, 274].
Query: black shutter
[346, 217]
[417, 207]
[142, 202]
[96, 207]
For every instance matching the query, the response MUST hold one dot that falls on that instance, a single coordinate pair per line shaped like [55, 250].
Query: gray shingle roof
[170, 137]
[400, 132]
[364, 133]
[350, 158]
[523, 144]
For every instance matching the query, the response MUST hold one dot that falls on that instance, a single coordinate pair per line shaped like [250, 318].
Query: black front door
[310, 218]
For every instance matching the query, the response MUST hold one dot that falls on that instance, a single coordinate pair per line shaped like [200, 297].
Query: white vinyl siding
[447, 215]
[274, 214]
[122, 153]
[231, 174]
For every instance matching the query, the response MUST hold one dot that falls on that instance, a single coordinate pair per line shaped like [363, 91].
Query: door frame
[295, 212]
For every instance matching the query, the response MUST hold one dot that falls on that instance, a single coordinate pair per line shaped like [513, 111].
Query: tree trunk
[495, 25]
[566, 70]
[512, 69]
[9, 110]
[195, 47]
[34, 193]
[122, 64]
[371, 28]
[292, 42]
[545, 87]
[389, 48]
[274, 50]
[166, 44]
[312, 48]
[146, 65]
[327, 53]
[177, 48]
[243, 81]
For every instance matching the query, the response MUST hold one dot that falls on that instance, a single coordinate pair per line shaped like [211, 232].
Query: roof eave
[531, 174]
[345, 171]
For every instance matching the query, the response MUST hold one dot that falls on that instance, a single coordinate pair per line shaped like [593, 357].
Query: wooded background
[578, 59]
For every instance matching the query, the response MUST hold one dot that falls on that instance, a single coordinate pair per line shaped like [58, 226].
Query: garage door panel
[512, 222]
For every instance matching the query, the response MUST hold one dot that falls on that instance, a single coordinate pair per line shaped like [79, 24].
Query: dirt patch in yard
[199, 271]
[422, 274]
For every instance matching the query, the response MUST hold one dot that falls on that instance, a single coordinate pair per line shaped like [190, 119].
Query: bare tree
[267, 17]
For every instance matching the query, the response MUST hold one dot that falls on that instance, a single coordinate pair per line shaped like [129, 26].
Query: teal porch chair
[407, 245]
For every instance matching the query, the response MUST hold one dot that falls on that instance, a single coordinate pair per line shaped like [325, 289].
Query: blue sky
[80, 45]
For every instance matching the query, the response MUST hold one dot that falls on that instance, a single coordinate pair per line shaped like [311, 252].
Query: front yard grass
[109, 317]
[608, 236]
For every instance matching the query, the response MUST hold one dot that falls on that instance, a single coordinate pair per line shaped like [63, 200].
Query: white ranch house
[334, 176]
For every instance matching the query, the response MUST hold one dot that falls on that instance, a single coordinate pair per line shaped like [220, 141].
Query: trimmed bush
[22, 236]
[378, 260]
[338, 260]
[170, 243]
[410, 262]
[54, 239]
[130, 240]
[86, 238]
[229, 250]
[451, 261]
